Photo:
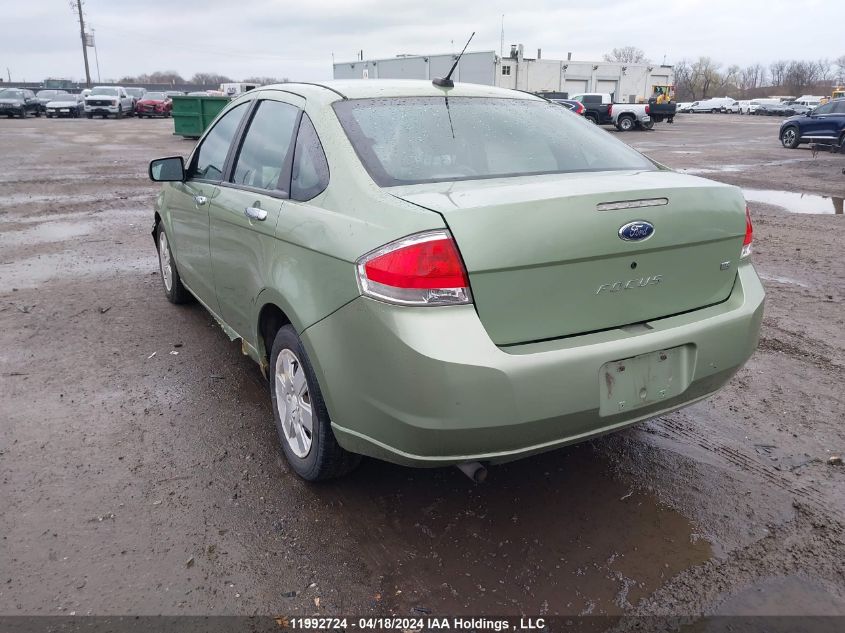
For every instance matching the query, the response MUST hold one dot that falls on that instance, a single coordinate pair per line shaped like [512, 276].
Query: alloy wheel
[293, 401]
[164, 261]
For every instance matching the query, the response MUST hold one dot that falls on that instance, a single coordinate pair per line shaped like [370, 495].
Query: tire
[592, 119]
[842, 144]
[38, 114]
[625, 123]
[89, 115]
[119, 114]
[170, 279]
[714, 111]
[648, 126]
[294, 392]
[790, 138]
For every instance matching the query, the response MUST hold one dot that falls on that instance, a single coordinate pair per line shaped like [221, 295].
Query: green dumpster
[191, 115]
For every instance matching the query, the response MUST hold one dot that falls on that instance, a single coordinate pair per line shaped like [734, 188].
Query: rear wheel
[789, 138]
[649, 125]
[625, 123]
[302, 419]
[592, 118]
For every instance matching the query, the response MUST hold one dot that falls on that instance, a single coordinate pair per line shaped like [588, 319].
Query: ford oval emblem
[636, 231]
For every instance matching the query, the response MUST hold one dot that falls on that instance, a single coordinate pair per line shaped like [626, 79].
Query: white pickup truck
[601, 110]
[109, 100]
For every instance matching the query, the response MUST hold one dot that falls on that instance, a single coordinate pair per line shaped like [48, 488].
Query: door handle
[200, 200]
[254, 213]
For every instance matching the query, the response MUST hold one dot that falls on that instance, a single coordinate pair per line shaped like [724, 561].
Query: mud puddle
[33, 271]
[553, 534]
[47, 232]
[796, 202]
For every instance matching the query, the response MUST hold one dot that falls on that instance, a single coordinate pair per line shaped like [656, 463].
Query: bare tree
[627, 54]
[752, 77]
[778, 70]
[265, 81]
[799, 76]
[840, 69]
[209, 79]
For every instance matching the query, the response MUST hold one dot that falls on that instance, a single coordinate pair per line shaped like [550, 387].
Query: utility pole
[84, 45]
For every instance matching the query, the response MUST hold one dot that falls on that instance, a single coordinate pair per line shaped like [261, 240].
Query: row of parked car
[104, 101]
[763, 107]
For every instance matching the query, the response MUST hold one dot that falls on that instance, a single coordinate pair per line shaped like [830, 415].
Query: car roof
[329, 91]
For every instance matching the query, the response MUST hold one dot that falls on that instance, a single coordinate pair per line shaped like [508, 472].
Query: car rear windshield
[10, 93]
[155, 96]
[111, 92]
[412, 140]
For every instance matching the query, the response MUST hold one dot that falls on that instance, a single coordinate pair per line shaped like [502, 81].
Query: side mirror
[170, 169]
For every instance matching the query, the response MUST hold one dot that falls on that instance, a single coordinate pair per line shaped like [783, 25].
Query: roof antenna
[446, 82]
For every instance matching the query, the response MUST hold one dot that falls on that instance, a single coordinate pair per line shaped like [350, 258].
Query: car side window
[310, 170]
[825, 109]
[266, 145]
[840, 107]
[211, 155]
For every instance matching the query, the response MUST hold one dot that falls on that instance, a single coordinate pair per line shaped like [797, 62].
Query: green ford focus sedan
[465, 275]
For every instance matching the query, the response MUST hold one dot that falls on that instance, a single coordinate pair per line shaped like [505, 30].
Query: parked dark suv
[825, 124]
[18, 102]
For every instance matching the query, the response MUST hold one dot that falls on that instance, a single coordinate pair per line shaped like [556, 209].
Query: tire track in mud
[805, 493]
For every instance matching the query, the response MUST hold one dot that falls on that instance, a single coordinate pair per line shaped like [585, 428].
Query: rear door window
[266, 146]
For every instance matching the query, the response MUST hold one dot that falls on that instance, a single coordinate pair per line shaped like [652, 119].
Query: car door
[31, 103]
[820, 124]
[246, 209]
[188, 205]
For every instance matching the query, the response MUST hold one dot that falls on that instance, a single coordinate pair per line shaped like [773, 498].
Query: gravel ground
[140, 471]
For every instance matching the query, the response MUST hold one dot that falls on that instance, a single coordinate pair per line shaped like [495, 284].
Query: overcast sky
[286, 38]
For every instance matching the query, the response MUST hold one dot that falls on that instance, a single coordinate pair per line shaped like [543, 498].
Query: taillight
[422, 270]
[647, 109]
[610, 110]
[749, 235]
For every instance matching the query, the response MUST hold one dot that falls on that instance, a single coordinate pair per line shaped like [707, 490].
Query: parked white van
[811, 101]
[711, 105]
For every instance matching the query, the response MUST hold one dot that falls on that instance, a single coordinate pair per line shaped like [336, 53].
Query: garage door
[607, 85]
[575, 86]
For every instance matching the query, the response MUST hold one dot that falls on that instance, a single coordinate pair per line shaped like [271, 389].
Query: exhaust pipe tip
[474, 470]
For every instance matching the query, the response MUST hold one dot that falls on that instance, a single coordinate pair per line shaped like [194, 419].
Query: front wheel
[302, 419]
[789, 137]
[170, 279]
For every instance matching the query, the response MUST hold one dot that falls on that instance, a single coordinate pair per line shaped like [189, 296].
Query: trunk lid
[545, 262]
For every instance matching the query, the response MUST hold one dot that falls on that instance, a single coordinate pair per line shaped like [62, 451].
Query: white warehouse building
[627, 82]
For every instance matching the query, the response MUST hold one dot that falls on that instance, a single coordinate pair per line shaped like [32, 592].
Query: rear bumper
[427, 387]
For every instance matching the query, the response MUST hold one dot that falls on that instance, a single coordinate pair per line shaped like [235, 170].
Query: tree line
[705, 77]
[211, 80]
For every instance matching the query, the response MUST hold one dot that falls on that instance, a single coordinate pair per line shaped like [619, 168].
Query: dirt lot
[140, 471]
